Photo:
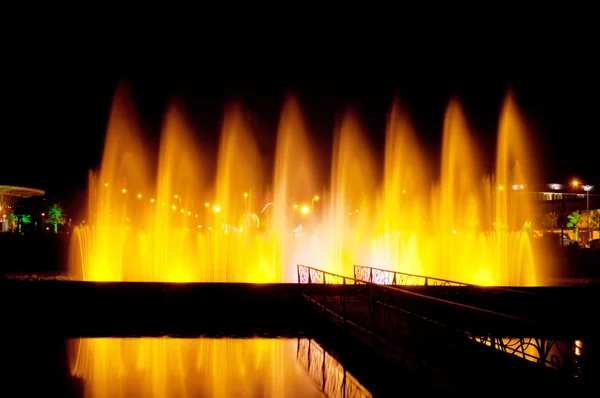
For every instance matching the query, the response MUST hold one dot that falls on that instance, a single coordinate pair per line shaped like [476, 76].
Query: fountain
[178, 227]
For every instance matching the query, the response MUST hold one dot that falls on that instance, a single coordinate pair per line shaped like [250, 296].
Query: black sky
[57, 99]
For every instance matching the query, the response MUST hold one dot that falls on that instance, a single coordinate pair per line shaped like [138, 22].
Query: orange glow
[124, 190]
[456, 222]
[139, 195]
[575, 183]
[162, 367]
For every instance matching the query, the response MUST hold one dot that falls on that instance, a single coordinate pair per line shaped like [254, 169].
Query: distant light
[182, 210]
[123, 190]
[454, 231]
[575, 183]
[176, 196]
[139, 195]
[189, 212]
[356, 211]
[587, 188]
[196, 216]
[174, 207]
[245, 194]
[43, 214]
[206, 204]
[316, 198]
[217, 208]
[295, 206]
[556, 187]
[151, 200]
[501, 188]
[404, 191]
[106, 184]
[305, 209]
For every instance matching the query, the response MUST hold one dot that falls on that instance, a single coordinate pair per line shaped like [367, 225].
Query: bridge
[438, 321]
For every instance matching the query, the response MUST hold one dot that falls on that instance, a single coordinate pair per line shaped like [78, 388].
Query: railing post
[298, 269]
[372, 307]
[394, 279]
[426, 281]
[371, 275]
[344, 296]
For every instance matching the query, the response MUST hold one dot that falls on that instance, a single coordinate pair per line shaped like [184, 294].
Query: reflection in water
[170, 367]
[332, 378]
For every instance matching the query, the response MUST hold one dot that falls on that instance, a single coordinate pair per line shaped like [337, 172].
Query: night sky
[57, 100]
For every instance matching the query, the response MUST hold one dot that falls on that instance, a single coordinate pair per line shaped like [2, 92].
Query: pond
[160, 367]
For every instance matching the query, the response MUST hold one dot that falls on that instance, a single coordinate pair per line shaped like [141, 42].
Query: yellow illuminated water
[166, 219]
[167, 367]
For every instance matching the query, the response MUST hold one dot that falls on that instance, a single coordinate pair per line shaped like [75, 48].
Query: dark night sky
[57, 99]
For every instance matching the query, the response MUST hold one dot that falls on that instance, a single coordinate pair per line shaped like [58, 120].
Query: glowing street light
[313, 200]
[295, 207]
[587, 188]
[124, 190]
[206, 204]
[305, 210]
[217, 208]
[139, 195]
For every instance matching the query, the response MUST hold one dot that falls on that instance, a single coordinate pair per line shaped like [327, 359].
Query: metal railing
[406, 319]
[387, 277]
[332, 378]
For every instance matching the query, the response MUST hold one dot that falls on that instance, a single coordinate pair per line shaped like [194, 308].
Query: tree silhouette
[550, 220]
[56, 216]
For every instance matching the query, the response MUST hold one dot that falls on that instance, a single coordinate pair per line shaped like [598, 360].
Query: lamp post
[43, 217]
[312, 202]
[587, 189]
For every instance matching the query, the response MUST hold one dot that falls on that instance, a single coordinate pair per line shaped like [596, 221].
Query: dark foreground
[39, 315]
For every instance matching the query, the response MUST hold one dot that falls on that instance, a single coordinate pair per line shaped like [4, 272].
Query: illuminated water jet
[179, 226]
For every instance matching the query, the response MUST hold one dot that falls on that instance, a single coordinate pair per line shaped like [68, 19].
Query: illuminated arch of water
[173, 226]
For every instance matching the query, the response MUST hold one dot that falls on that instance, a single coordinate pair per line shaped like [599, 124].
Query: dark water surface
[177, 367]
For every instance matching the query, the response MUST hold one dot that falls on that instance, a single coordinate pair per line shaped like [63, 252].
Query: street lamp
[43, 217]
[312, 202]
[587, 189]
[246, 202]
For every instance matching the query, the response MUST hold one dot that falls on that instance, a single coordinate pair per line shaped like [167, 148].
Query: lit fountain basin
[176, 225]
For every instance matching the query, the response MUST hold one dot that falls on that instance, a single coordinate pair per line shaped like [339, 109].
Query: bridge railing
[403, 318]
[333, 379]
[387, 277]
